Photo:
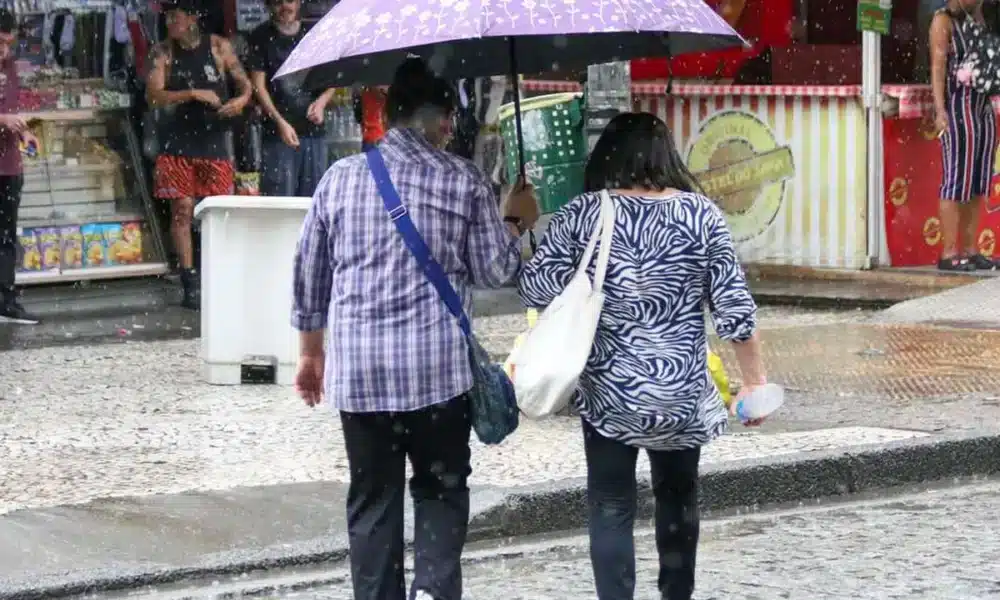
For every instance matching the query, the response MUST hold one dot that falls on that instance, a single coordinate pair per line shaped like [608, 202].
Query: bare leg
[182, 210]
[968, 222]
[950, 218]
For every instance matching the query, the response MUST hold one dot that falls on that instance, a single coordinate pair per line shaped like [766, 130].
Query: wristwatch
[516, 222]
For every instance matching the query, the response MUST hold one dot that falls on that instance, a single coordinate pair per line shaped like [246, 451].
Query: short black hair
[8, 24]
[637, 150]
[192, 7]
[414, 86]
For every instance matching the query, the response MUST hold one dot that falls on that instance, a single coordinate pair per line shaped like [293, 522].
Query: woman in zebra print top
[646, 385]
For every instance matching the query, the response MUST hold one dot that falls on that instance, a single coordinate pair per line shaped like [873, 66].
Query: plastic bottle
[761, 402]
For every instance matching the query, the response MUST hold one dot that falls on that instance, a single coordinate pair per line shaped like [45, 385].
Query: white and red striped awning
[914, 101]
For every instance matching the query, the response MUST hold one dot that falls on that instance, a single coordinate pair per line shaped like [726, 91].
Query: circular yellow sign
[928, 129]
[987, 242]
[739, 163]
[932, 231]
[899, 191]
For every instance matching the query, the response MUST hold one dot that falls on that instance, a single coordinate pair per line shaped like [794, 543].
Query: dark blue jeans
[612, 500]
[436, 440]
[289, 171]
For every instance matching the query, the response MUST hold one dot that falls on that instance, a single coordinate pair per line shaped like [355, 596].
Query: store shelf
[70, 114]
[92, 273]
[40, 170]
[30, 222]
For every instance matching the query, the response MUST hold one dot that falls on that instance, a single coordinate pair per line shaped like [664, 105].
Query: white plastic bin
[247, 252]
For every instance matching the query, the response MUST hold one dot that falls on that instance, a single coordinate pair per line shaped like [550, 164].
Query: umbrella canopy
[363, 41]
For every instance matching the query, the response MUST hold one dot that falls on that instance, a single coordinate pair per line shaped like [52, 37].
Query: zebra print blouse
[646, 383]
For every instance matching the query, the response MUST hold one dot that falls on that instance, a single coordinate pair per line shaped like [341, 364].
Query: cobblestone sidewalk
[134, 419]
[87, 422]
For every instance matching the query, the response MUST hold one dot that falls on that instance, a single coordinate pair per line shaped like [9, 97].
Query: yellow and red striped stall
[787, 164]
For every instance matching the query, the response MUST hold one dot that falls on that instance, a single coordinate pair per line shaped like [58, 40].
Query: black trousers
[436, 441]
[10, 202]
[612, 500]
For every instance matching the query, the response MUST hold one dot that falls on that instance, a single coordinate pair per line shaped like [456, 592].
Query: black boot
[191, 282]
[11, 310]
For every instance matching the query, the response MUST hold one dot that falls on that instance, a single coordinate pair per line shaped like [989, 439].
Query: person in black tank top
[967, 125]
[189, 83]
[294, 145]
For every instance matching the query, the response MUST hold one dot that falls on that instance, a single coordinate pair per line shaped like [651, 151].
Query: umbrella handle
[512, 47]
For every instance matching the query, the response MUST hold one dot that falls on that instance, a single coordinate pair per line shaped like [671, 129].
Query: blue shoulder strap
[414, 241]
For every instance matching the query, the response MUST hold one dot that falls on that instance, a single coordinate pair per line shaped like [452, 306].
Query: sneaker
[983, 263]
[955, 263]
[13, 312]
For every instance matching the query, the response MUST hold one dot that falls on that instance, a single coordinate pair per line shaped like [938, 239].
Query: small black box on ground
[259, 370]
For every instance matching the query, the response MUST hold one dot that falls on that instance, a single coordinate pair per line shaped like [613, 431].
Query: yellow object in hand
[719, 377]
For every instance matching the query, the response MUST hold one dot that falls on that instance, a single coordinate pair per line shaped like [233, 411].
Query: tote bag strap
[607, 234]
[588, 252]
[414, 241]
[604, 229]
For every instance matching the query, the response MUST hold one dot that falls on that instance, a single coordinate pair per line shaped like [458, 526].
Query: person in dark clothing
[189, 79]
[13, 131]
[294, 149]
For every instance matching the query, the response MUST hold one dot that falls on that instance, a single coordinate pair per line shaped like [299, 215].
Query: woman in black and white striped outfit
[967, 124]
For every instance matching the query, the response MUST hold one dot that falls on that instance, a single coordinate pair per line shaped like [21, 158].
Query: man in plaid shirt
[397, 365]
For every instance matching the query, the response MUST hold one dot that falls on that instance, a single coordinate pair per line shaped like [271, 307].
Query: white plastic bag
[549, 363]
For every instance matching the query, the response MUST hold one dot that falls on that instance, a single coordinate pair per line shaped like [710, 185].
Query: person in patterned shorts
[188, 81]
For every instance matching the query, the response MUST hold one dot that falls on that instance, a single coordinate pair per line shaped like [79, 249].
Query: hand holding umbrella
[521, 205]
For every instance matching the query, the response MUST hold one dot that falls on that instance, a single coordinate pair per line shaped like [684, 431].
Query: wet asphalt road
[938, 544]
[943, 545]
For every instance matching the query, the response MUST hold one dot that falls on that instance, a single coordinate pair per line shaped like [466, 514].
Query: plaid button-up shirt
[393, 345]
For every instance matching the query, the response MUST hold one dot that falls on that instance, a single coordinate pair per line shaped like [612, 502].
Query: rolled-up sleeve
[493, 255]
[553, 265]
[313, 275]
[734, 311]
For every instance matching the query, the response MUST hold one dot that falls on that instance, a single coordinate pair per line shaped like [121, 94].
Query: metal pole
[871, 91]
[512, 47]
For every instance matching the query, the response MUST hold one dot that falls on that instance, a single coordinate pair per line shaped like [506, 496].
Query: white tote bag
[551, 359]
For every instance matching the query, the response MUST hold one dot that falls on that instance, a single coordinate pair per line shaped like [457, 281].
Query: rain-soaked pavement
[933, 544]
[73, 429]
[892, 362]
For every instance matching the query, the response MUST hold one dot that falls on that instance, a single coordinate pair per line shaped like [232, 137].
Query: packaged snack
[114, 242]
[72, 247]
[131, 252]
[31, 256]
[94, 245]
[50, 248]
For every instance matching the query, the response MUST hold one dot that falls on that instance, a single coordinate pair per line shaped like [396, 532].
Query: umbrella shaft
[512, 45]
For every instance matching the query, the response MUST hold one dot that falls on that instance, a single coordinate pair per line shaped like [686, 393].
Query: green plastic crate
[555, 148]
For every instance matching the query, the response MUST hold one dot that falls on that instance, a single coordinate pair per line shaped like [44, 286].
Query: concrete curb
[562, 506]
[774, 481]
[101, 298]
[822, 302]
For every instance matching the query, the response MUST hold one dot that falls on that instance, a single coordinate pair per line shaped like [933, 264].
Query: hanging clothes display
[489, 95]
[466, 122]
[116, 46]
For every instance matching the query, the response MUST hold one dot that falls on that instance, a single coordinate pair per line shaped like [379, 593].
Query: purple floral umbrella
[363, 41]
